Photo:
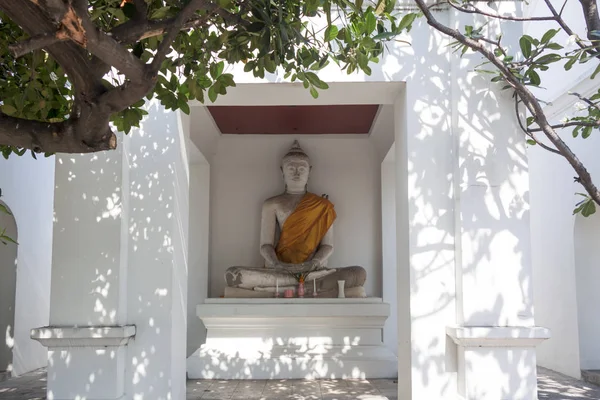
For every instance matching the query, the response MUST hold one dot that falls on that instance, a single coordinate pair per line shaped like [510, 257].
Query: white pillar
[88, 273]
[388, 247]
[119, 273]
[157, 257]
[425, 242]
[495, 331]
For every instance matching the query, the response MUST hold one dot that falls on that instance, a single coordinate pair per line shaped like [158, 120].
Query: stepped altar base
[293, 339]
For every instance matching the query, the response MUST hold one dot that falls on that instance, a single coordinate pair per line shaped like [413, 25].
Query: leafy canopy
[265, 35]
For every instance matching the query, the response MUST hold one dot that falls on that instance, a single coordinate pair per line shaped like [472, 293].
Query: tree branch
[586, 100]
[44, 137]
[526, 97]
[566, 27]
[475, 10]
[75, 60]
[563, 8]
[592, 20]
[133, 31]
[529, 132]
[101, 45]
[33, 43]
[172, 31]
[568, 124]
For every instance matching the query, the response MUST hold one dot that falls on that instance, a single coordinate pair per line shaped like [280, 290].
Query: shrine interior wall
[245, 171]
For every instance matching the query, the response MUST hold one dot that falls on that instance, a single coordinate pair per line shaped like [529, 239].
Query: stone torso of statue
[296, 237]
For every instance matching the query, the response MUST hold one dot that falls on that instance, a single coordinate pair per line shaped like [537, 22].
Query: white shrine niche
[245, 172]
[297, 338]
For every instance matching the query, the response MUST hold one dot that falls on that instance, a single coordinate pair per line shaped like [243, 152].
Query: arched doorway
[8, 282]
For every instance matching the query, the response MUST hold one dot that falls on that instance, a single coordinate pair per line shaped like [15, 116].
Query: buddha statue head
[296, 167]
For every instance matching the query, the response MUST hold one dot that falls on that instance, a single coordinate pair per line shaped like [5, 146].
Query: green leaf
[534, 77]
[587, 131]
[407, 21]
[385, 36]
[569, 64]
[4, 209]
[313, 92]
[529, 39]
[549, 35]
[331, 33]
[370, 23]
[589, 208]
[315, 81]
[595, 72]
[525, 47]
[212, 94]
[7, 239]
[96, 13]
[184, 106]
[217, 69]
[8, 109]
[548, 58]
[160, 13]
[531, 142]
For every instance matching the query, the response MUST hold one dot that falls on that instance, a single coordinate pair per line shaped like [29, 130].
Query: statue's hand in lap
[308, 266]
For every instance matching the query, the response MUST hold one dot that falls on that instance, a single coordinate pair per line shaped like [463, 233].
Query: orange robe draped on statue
[304, 229]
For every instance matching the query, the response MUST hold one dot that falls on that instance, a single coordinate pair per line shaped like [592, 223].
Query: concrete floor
[552, 386]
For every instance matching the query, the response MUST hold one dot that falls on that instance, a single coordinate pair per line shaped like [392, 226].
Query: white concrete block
[497, 362]
[293, 339]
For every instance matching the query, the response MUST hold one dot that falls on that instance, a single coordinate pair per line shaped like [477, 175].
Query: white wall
[198, 252]
[556, 294]
[28, 189]
[245, 172]
[553, 232]
[388, 249]
[587, 273]
[552, 202]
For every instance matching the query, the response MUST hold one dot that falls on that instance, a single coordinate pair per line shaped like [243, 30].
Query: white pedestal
[293, 339]
[85, 361]
[497, 362]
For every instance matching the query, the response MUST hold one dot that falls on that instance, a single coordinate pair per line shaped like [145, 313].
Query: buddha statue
[296, 237]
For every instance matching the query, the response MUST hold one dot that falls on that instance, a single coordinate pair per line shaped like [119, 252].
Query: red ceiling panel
[294, 120]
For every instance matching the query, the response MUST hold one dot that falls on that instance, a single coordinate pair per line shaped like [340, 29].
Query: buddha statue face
[296, 169]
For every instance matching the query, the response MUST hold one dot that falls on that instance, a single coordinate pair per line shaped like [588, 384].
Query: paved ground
[552, 386]
[555, 386]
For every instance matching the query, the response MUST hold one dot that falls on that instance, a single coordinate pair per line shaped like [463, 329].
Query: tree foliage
[522, 71]
[4, 238]
[69, 68]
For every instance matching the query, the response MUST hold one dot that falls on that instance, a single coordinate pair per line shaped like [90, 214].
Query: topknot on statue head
[295, 154]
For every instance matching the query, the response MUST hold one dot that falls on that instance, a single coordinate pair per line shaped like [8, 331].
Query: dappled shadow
[120, 258]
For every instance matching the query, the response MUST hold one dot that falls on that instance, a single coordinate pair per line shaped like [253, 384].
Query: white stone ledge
[309, 312]
[295, 300]
[497, 336]
[84, 336]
